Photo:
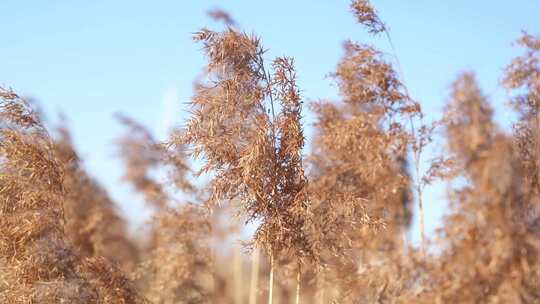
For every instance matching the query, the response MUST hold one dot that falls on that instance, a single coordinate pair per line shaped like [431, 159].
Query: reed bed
[330, 223]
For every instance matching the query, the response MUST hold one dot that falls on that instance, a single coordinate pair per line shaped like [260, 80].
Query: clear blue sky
[90, 59]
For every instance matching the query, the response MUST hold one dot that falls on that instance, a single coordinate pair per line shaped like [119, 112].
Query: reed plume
[40, 266]
[93, 223]
[254, 150]
[329, 226]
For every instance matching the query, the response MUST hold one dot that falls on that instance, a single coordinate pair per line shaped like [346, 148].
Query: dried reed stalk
[42, 267]
[271, 281]
[298, 283]
[93, 224]
[254, 281]
[238, 275]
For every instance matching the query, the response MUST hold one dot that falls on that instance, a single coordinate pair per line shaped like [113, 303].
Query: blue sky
[90, 59]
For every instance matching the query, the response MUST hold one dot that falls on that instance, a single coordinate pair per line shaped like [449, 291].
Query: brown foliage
[93, 224]
[143, 156]
[254, 150]
[179, 268]
[365, 14]
[491, 253]
[220, 15]
[39, 264]
[334, 221]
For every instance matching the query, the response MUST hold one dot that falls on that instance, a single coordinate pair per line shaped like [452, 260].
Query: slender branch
[420, 204]
[237, 275]
[416, 150]
[254, 277]
[271, 283]
[274, 146]
[298, 281]
[320, 286]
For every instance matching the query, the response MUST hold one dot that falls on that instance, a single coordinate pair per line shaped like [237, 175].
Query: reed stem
[298, 279]
[271, 283]
[255, 261]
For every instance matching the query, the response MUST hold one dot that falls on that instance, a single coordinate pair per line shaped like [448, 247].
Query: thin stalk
[213, 256]
[237, 273]
[298, 279]
[271, 282]
[418, 186]
[404, 243]
[254, 277]
[417, 150]
[320, 294]
[421, 211]
[267, 79]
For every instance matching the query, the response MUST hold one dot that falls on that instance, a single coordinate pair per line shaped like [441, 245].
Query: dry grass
[41, 266]
[330, 222]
